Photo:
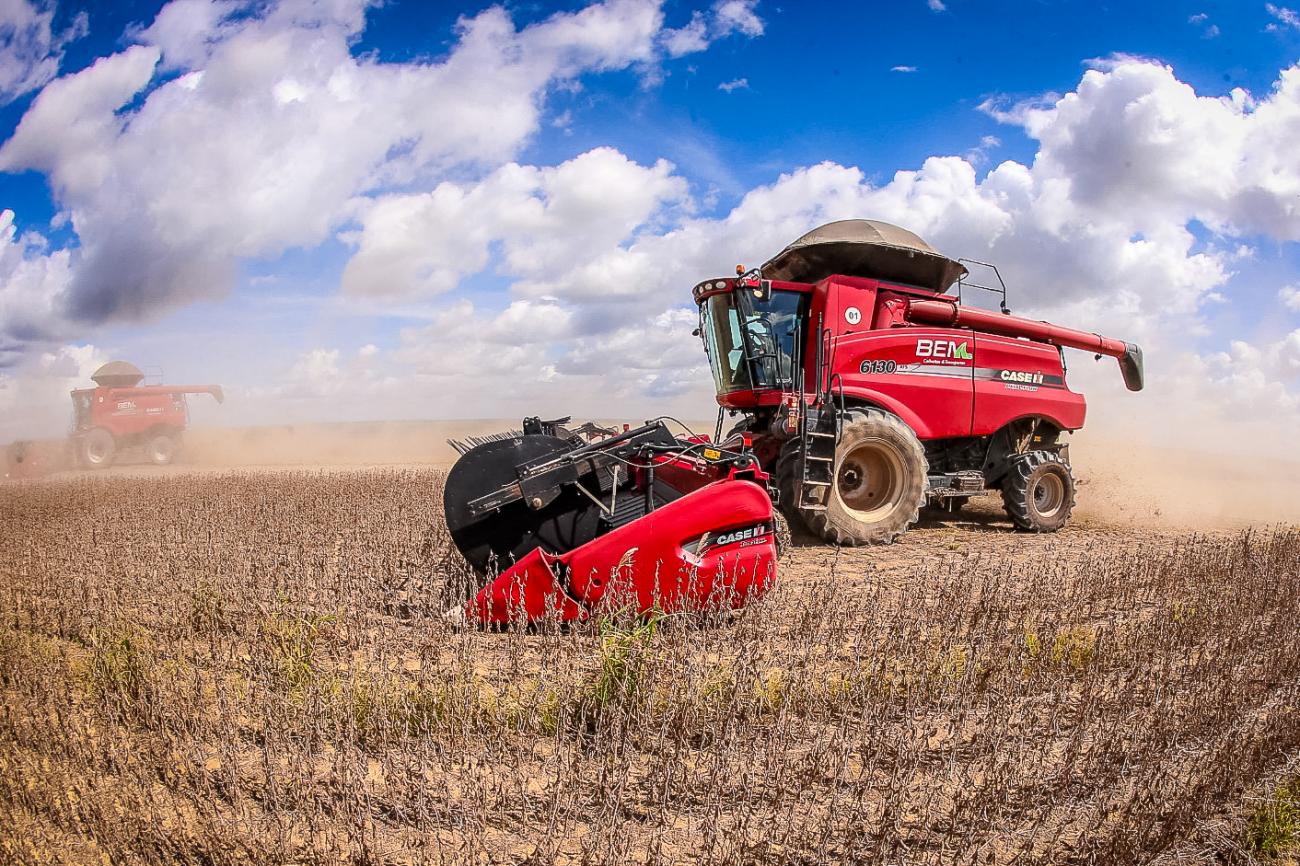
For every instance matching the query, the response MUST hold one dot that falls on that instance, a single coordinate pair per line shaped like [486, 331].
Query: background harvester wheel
[161, 449]
[97, 448]
[879, 481]
[1038, 492]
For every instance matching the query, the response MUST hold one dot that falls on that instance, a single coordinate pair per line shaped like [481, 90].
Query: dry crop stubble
[253, 667]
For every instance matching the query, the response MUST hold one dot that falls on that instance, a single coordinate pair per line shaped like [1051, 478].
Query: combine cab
[867, 391]
[120, 413]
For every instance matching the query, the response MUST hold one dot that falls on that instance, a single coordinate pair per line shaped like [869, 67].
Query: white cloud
[274, 134]
[34, 401]
[936, 5]
[689, 39]
[1133, 136]
[32, 283]
[735, 84]
[30, 52]
[726, 18]
[902, 69]
[737, 16]
[1285, 17]
[548, 220]
[979, 154]
[1081, 240]
[1198, 18]
[1099, 230]
[1290, 297]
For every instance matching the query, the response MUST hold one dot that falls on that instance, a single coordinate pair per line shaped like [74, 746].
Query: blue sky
[712, 132]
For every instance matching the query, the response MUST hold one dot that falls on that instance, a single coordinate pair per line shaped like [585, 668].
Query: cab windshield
[751, 341]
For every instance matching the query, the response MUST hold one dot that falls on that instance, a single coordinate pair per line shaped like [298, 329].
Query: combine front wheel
[879, 481]
[97, 449]
[1038, 492]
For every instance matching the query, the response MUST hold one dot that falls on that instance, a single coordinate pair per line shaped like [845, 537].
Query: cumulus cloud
[1080, 235]
[32, 283]
[234, 132]
[1130, 218]
[547, 221]
[30, 50]
[1134, 136]
[1290, 297]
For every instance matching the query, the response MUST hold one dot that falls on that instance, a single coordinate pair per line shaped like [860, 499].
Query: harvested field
[253, 668]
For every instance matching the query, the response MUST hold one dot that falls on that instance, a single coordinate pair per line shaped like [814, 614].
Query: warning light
[740, 270]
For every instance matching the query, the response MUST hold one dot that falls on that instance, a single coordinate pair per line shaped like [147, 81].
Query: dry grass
[252, 668]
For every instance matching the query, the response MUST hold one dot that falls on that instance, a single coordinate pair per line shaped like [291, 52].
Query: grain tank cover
[117, 374]
[864, 248]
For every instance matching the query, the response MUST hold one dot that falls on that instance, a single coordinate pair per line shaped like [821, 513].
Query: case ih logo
[748, 535]
[943, 349]
[1021, 376]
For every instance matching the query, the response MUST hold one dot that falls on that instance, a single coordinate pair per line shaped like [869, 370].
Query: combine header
[867, 391]
[641, 519]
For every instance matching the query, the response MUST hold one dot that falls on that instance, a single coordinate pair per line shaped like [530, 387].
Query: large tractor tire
[161, 449]
[1038, 492]
[96, 449]
[879, 481]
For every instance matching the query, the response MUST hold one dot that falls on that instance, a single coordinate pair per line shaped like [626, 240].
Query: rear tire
[161, 449]
[97, 449]
[1038, 492]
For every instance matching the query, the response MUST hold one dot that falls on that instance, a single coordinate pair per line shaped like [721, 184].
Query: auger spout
[950, 315]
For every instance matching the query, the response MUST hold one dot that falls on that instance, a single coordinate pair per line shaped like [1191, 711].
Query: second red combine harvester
[868, 391]
[120, 413]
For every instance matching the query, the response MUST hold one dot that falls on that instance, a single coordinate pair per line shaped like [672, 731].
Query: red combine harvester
[120, 413]
[868, 391]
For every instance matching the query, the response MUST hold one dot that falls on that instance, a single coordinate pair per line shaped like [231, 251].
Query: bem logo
[942, 349]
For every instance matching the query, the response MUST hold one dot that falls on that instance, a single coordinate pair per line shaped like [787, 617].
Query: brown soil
[234, 667]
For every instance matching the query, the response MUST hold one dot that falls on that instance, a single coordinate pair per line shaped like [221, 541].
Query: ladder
[819, 431]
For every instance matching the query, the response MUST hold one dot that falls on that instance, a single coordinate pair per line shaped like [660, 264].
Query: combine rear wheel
[879, 481]
[97, 448]
[1038, 492]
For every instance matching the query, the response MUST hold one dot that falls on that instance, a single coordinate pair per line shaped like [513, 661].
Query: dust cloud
[1122, 479]
[1126, 481]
